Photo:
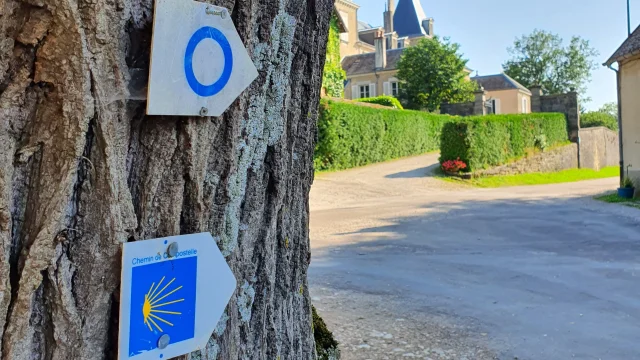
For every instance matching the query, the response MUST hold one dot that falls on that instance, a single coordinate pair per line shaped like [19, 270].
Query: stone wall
[459, 109]
[599, 147]
[561, 158]
[562, 103]
[476, 107]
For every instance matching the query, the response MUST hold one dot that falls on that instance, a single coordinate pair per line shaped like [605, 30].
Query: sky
[485, 29]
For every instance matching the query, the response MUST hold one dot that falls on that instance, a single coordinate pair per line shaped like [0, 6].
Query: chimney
[381, 49]
[427, 25]
[392, 40]
[388, 17]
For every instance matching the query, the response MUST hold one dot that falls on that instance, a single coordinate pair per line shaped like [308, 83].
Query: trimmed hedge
[485, 141]
[598, 118]
[351, 135]
[384, 100]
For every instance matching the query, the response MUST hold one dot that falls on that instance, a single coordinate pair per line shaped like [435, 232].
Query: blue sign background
[164, 306]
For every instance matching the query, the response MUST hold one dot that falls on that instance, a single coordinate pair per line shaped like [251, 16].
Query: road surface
[407, 266]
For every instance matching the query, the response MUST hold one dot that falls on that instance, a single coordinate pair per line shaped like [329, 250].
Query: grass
[615, 199]
[564, 176]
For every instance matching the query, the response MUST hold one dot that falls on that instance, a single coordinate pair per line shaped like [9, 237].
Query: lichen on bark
[83, 170]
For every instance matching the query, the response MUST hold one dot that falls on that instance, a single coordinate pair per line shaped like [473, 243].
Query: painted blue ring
[208, 32]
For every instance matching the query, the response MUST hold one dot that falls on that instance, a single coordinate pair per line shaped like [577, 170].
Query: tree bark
[83, 170]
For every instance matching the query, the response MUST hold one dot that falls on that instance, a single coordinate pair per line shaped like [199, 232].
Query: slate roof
[408, 17]
[368, 36]
[366, 63]
[629, 47]
[499, 82]
[363, 25]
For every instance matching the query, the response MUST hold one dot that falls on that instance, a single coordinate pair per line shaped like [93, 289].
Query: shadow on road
[549, 278]
[427, 171]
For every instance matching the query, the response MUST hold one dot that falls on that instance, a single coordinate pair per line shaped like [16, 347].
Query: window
[495, 106]
[394, 89]
[364, 91]
[525, 107]
[388, 42]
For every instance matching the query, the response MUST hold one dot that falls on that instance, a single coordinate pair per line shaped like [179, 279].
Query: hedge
[598, 118]
[384, 100]
[485, 141]
[351, 135]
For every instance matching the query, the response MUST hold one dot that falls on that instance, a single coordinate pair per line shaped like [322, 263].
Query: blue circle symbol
[208, 32]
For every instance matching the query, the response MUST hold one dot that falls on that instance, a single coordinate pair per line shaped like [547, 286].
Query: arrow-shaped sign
[199, 65]
[173, 292]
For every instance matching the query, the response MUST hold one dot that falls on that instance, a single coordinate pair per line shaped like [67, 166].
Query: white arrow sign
[172, 295]
[199, 64]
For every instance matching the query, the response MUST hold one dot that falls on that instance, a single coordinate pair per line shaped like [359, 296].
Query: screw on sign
[169, 302]
[199, 64]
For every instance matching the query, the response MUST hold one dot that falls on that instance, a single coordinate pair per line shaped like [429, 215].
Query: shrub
[351, 135]
[485, 141]
[389, 101]
[326, 344]
[627, 183]
[540, 142]
[598, 118]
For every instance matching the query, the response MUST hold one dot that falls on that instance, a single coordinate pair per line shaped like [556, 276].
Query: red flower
[453, 166]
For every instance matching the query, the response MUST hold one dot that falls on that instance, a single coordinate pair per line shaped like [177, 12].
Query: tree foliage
[541, 58]
[610, 108]
[599, 118]
[333, 76]
[433, 72]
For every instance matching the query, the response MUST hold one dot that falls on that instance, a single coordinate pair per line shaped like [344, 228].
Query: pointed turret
[409, 19]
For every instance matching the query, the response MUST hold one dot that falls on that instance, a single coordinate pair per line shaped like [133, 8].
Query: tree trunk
[83, 170]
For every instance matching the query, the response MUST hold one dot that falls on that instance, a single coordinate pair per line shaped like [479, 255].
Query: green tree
[333, 76]
[433, 72]
[610, 108]
[542, 59]
[599, 118]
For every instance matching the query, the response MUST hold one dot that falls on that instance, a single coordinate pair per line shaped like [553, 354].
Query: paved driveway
[407, 266]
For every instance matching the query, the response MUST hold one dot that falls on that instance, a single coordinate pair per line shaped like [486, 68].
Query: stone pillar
[573, 115]
[479, 107]
[536, 101]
